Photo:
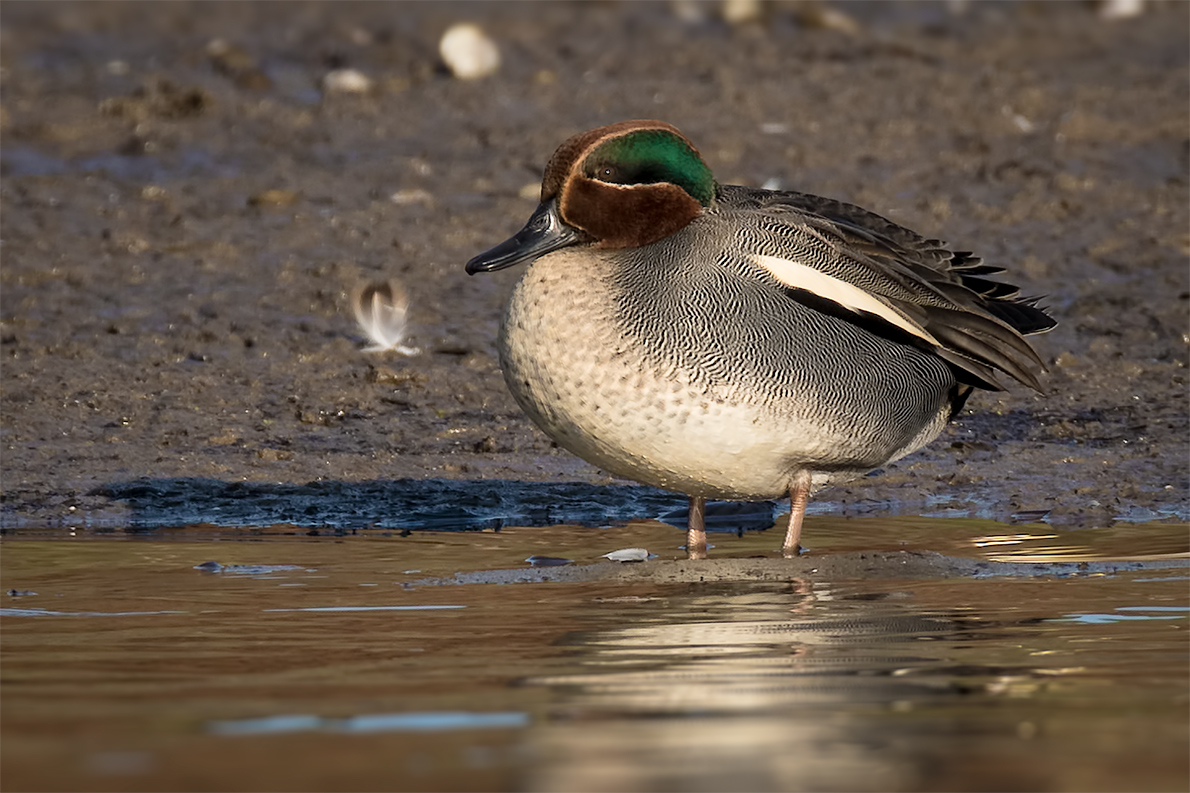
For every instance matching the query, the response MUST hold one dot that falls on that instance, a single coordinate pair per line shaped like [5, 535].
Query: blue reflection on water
[11, 612]
[1162, 613]
[370, 608]
[429, 721]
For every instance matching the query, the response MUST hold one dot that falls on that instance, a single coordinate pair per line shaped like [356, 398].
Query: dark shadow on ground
[414, 504]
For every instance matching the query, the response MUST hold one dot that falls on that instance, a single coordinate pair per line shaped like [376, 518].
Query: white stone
[1121, 9]
[414, 195]
[740, 12]
[346, 81]
[468, 52]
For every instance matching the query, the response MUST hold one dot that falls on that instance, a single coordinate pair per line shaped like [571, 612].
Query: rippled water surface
[335, 663]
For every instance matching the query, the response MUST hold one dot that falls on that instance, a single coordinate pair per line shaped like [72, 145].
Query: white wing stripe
[849, 296]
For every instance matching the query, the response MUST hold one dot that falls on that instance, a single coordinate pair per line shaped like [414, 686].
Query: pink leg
[799, 496]
[696, 529]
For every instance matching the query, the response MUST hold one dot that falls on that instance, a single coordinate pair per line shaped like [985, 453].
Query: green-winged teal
[736, 343]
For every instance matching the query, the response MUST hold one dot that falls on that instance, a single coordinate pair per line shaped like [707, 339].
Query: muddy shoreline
[833, 567]
[182, 229]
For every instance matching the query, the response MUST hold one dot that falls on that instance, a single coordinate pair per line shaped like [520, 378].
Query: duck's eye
[608, 173]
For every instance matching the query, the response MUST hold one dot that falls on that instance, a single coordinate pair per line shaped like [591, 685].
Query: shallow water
[335, 663]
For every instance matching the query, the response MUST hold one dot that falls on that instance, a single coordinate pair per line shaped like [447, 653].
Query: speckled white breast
[586, 381]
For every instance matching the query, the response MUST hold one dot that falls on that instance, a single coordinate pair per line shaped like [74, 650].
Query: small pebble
[361, 37]
[740, 12]
[346, 81]
[227, 56]
[689, 11]
[238, 64]
[413, 196]
[630, 555]
[274, 198]
[468, 52]
[825, 17]
[1121, 9]
[1021, 123]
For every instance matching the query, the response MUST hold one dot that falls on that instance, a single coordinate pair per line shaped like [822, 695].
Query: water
[334, 663]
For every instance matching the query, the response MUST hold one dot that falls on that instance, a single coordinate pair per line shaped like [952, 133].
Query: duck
[739, 343]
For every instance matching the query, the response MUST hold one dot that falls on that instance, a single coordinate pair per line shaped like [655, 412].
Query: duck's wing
[845, 260]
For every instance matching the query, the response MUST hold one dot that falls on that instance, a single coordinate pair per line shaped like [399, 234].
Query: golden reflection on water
[875, 688]
[329, 671]
[1124, 543]
[992, 541]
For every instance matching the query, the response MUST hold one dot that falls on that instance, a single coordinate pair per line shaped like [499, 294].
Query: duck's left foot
[799, 497]
[696, 529]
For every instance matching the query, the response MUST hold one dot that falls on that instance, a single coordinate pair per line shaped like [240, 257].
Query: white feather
[630, 555]
[380, 310]
[849, 296]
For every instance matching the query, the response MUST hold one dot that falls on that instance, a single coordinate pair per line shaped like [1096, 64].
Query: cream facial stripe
[849, 296]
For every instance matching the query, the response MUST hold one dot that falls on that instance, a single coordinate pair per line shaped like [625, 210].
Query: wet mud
[902, 564]
[186, 208]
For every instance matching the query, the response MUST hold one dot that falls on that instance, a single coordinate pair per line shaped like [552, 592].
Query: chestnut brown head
[620, 186]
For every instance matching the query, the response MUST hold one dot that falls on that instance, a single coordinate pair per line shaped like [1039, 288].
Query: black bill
[544, 232]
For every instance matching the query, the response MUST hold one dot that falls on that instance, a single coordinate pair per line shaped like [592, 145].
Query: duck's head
[619, 186]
